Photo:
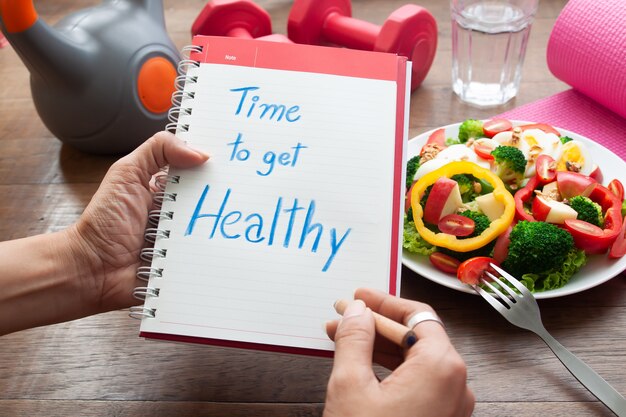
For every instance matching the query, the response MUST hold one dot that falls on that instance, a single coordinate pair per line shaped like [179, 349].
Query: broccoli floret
[510, 165]
[470, 187]
[470, 128]
[413, 242]
[411, 168]
[587, 210]
[565, 139]
[466, 186]
[481, 222]
[452, 141]
[536, 247]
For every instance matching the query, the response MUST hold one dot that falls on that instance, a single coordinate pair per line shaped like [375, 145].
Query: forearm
[39, 282]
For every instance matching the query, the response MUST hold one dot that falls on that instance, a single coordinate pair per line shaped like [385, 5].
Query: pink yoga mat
[587, 50]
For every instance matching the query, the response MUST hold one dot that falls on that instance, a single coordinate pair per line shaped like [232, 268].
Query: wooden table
[98, 366]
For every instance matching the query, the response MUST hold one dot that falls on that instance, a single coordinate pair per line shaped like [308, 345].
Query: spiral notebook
[299, 204]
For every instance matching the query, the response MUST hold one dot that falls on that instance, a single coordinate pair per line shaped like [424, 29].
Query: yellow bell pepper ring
[444, 240]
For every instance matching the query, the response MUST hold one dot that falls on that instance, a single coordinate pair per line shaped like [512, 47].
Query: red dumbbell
[410, 31]
[235, 18]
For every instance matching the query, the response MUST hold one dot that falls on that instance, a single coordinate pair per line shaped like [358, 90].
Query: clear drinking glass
[489, 39]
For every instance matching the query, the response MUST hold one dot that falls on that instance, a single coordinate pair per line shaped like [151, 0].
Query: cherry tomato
[588, 237]
[501, 248]
[444, 263]
[545, 168]
[470, 271]
[596, 174]
[457, 225]
[438, 137]
[484, 147]
[494, 126]
[618, 249]
[572, 184]
[616, 188]
[542, 126]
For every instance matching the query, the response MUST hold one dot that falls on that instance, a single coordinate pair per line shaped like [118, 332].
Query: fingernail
[203, 154]
[355, 308]
[196, 150]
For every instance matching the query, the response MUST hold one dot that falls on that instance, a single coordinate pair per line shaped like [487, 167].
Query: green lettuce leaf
[556, 277]
[413, 242]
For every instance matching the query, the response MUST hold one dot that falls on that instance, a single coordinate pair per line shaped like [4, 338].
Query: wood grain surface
[98, 366]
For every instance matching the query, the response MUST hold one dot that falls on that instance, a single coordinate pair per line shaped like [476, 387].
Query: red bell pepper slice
[525, 195]
[589, 240]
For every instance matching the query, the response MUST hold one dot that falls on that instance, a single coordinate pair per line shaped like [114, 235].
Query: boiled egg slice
[538, 143]
[575, 157]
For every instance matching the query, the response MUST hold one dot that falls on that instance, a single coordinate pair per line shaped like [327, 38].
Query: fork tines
[501, 299]
[510, 278]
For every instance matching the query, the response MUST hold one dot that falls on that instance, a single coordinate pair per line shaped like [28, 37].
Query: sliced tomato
[618, 249]
[572, 184]
[617, 188]
[470, 271]
[542, 126]
[444, 263]
[545, 168]
[494, 126]
[457, 225]
[484, 147]
[588, 237]
[438, 137]
[501, 248]
[596, 174]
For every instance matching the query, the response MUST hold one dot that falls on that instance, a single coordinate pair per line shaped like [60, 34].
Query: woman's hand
[429, 379]
[90, 267]
[110, 233]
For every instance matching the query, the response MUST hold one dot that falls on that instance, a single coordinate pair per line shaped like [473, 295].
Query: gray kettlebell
[101, 78]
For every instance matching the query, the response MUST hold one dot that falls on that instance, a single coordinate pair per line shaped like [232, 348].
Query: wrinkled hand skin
[89, 267]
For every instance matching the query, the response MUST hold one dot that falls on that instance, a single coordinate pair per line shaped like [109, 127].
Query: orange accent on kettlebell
[18, 15]
[155, 84]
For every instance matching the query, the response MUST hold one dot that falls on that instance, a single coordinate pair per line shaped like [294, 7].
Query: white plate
[599, 268]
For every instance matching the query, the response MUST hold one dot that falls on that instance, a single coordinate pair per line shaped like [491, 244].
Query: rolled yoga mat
[587, 50]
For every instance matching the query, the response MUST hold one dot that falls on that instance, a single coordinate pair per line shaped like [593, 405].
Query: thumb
[162, 149]
[354, 341]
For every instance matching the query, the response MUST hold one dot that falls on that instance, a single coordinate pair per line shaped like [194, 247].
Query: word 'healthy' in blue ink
[270, 158]
[252, 107]
[253, 228]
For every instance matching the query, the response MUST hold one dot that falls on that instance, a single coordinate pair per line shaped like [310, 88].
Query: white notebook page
[291, 212]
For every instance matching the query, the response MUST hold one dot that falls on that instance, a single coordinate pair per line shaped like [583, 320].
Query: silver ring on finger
[423, 316]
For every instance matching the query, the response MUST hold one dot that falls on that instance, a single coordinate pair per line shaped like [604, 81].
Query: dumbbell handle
[239, 32]
[350, 32]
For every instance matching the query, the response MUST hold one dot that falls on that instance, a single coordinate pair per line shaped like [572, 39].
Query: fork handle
[587, 376]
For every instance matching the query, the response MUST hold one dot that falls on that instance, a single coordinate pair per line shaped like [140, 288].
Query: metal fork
[520, 308]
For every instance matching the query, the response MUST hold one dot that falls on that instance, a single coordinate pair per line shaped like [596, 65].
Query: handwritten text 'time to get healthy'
[256, 228]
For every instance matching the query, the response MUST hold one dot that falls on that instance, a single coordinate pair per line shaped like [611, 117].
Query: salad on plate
[521, 195]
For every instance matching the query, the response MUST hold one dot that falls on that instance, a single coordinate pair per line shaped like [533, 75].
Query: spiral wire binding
[180, 107]
[144, 273]
[141, 293]
[180, 94]
[154, 216]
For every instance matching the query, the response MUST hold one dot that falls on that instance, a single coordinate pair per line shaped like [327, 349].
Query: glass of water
[489, 39]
